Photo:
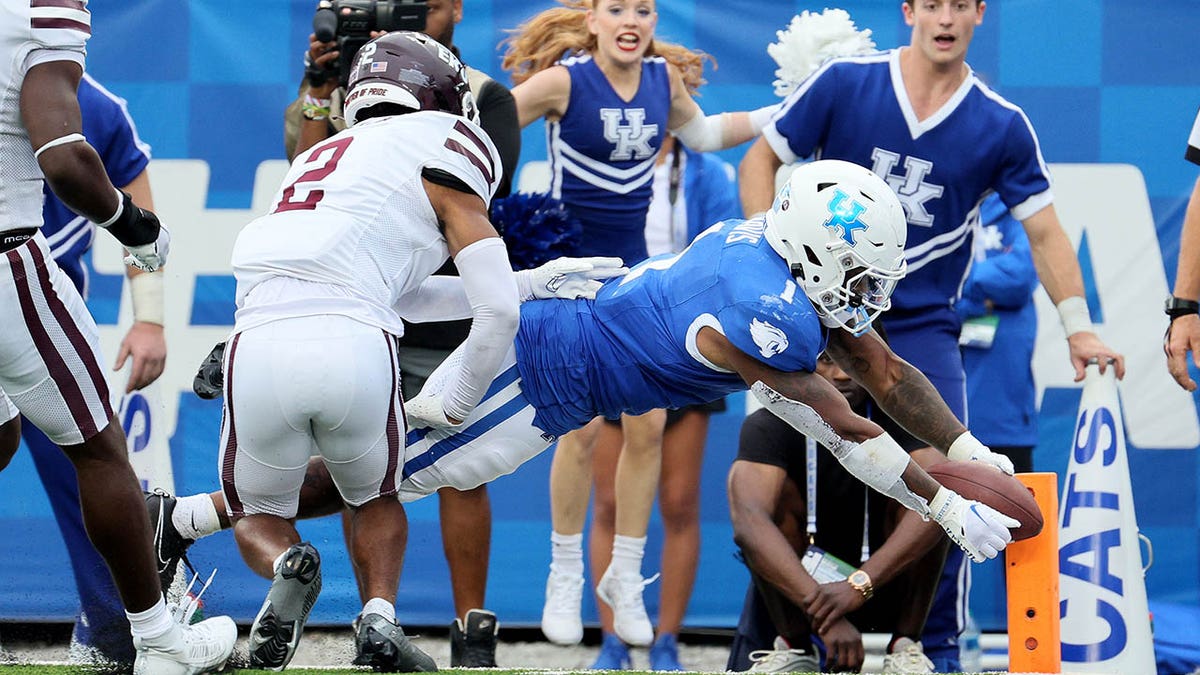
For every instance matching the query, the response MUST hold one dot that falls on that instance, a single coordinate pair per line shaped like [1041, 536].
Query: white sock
[381, 607]
[566, 553]
[195, 517]
[151, 625]
[627, 555]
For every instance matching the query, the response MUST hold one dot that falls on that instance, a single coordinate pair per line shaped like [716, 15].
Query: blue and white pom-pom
[810, 40]
[536, 228]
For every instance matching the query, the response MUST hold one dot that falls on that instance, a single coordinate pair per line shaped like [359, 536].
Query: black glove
[209, 379]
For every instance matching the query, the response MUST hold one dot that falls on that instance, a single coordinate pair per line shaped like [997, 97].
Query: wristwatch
[1177, 307]
[861, 582]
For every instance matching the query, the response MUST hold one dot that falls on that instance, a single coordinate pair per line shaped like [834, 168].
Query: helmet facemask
[841, 230]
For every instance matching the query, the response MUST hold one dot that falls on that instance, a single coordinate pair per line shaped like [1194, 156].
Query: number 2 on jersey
[289, 203]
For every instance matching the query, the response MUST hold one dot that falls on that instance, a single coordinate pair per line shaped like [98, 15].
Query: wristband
[1176, 307]
[963, 447]
[315, 109]
[146, 292]
[1074, 314]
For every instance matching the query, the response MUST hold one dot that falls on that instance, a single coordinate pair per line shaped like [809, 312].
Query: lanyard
[810, 485]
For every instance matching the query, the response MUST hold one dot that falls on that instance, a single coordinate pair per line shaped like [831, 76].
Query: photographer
[315, 115]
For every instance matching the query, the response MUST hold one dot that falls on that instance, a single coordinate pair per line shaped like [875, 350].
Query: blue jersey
[633, 348]
[602, 154]
[109, 128]
[942, 168]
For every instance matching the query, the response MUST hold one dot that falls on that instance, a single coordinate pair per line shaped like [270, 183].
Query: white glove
[427, 411]
[150, 257]
[568, 278]
[967, 448]
[977, 528]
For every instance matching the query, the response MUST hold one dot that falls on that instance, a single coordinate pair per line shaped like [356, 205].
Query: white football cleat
[561, 622]
[624, 595]
[200, 648]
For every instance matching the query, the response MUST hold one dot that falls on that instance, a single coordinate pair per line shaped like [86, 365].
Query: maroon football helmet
[411, 70]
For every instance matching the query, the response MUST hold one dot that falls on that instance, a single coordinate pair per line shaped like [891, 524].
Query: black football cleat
[383, 646]
[170, 547]
[280, 623]
[474, 646]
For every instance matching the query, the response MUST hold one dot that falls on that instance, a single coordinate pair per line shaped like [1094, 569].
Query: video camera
[351, 23]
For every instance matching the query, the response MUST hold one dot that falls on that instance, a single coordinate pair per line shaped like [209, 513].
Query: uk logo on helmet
[844, 214]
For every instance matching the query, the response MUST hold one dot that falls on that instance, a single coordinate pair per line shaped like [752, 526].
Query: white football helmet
[841, 230]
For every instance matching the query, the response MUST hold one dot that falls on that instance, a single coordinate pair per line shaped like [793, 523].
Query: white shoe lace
[777, 660]
[911, 659]
[626, 593]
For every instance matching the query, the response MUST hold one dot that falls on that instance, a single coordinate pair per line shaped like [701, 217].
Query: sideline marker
[1031, 568]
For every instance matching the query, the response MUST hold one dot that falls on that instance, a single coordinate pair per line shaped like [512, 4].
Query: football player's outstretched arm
[813, 406]
[487, 278]
[50, 113]
[908, 397]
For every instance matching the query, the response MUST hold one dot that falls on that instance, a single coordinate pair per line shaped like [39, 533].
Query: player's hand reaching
[568, 278]
[150, 257]
[977, 528]
[427, 411]
[967, 448]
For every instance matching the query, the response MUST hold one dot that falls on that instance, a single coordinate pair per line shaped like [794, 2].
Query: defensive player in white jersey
[49, 348]
[359, 226]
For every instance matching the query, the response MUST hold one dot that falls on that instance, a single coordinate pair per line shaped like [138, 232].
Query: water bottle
[970, 652]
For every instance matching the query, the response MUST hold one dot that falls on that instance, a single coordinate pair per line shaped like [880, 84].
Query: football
[987, 485]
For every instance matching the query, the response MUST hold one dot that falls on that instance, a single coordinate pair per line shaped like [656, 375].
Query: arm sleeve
[1007, 279]
[492, 292]
[498, 117]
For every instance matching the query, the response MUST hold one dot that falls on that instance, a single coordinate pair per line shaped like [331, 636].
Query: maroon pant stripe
[59, 372]
[234, 503]
[71, 328]
[394, 435]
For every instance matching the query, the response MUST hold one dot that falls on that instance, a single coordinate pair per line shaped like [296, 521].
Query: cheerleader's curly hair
[541, 41]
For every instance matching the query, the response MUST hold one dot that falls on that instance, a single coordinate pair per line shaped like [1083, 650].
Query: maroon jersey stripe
[458, 147]
[59, 22]
[479, 143]
[69, 4]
